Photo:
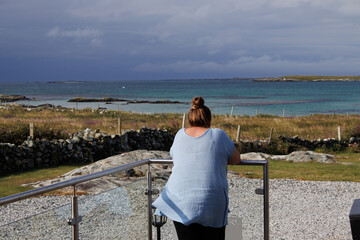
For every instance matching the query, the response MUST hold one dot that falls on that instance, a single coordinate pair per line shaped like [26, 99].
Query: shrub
[355, 132]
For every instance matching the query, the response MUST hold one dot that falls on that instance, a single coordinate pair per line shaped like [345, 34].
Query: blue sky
[66, 40]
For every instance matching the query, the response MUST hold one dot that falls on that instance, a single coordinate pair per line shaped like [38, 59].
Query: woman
[196, 195]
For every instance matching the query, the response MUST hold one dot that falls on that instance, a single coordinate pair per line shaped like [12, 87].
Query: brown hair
[199, 114]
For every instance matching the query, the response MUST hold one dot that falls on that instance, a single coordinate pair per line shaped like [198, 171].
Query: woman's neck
[195, 131]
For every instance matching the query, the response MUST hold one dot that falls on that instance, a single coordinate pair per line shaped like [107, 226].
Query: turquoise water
[246, 96]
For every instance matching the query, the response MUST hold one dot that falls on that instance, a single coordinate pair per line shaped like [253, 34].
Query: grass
[11, 184]
[61, 123]
[308, 171]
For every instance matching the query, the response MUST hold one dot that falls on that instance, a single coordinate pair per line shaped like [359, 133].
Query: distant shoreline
[309, 79]
[66, 82]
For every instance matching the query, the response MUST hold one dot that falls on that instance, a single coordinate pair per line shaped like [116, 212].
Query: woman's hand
[235, 158]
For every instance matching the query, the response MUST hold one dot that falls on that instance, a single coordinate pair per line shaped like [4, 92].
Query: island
[309, 79]
[109, 100]
[12, 98]
[66, 82]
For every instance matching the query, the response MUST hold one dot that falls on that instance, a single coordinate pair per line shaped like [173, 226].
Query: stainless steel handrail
[70, 182]
[77, 180]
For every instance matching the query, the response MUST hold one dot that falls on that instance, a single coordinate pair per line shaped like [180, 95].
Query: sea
[222, 96]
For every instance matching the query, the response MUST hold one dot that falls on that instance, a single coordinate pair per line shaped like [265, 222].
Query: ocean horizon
[223, 96]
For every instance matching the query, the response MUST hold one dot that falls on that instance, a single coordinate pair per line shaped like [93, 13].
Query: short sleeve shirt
[197, 190]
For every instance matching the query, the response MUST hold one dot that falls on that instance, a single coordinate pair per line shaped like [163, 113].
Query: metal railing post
[75, 216]
[266, 201]
[149, 192]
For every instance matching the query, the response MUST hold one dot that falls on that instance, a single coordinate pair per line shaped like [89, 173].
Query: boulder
[297, 156]
[114, 180]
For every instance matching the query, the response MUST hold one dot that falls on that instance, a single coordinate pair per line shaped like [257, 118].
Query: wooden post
[339, 133]
[232, 111]
[183, 121]
[32, 130]
[283, 112]
[238, 134]
[119, 126]
[347, 114]
[271, 132]
[256, 112]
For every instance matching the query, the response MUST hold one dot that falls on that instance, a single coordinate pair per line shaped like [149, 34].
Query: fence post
[238, 134]
[339, 133]
[271, 132]
[119, 126]
[283, 112]
[183, 121]
[232, 111]
[256, 112]
[32, 130]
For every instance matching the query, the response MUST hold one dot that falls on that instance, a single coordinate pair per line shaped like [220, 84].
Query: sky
[97, 40]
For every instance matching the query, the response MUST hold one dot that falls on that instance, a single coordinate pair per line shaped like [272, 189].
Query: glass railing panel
[161, 174]
[246, 207]
[119, 213]
[36, 218]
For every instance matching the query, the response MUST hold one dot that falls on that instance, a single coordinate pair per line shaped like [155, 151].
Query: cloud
[228, 37]
[90, 34]
[257, 66]
[96, 42]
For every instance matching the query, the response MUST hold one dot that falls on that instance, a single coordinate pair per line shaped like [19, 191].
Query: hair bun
[198, 102]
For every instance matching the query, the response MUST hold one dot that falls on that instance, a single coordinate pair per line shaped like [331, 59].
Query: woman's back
[202, 158]
[198, 184]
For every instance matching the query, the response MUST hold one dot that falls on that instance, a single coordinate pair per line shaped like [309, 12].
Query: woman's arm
[235, 158]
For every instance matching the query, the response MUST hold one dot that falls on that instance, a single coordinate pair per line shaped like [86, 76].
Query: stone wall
[83, 147]
[287, 145]
[319, 143]
[89, 146]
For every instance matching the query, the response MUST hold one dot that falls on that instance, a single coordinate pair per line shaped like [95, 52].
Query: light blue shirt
[197, 190]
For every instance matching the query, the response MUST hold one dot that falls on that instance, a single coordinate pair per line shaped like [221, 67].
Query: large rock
[308, 156]
[115, 180]
[297, 156]
[255, 156]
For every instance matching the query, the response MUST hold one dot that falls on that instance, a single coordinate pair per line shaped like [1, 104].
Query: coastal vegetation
[55, 123]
